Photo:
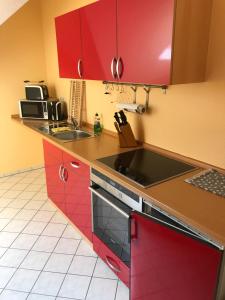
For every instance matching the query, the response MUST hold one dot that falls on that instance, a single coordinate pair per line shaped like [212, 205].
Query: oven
[111, 209]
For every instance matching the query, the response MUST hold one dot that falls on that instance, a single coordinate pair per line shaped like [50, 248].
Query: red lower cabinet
[68, 181]
[77, 194]
[169, 263]
[114, 263]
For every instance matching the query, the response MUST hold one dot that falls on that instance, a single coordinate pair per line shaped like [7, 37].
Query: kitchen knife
[123, 117]
[117, 118]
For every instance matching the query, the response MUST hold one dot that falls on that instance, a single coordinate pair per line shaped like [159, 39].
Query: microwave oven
[45, 110]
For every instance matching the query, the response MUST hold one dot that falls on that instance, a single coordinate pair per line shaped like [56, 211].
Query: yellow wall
[21, 57]
[189, 119]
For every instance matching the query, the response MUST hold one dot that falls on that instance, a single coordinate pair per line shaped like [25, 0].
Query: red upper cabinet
[145, 30]
[171, 263]
[68, 35]
[99, 48]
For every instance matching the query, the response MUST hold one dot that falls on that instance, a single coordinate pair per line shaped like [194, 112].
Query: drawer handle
[75, 165]
[110, 264]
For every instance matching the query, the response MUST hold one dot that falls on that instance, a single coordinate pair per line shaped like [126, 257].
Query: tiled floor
[42, 257]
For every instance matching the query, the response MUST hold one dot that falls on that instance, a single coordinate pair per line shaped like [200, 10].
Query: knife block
[126, 136]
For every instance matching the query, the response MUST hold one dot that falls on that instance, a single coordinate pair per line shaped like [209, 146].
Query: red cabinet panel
[114, 263]
[53, 169]
[98, 31]
[145, 31]
[77, 194]
[169, 264]
[69, 44]
[68, 182]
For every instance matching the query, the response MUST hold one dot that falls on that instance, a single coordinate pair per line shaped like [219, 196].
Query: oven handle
[109, 202]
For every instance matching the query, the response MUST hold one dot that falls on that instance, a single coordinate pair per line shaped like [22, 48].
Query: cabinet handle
[119, 68]
[60, 172]
[108, 259]
[133, 229]
[65, 174]
[113, 71]
[75, 165]
[79, 68]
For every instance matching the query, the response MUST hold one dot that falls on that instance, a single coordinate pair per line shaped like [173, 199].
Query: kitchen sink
[64, 131]
[71, 135]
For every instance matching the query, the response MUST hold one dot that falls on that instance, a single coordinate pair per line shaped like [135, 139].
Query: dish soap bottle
[97, 124]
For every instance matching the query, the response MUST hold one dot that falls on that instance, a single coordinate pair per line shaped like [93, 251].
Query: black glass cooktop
[146, 167]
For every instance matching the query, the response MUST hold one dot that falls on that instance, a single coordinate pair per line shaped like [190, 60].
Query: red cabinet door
[145, 30]
[98, 30]
[69, 44]
[167, 263]
[53, 171]
[77, 194]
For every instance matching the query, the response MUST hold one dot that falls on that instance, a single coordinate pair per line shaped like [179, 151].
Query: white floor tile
[8, 212]
[3, 223]
[59, 218]
[45, 243]
[103, 271]
[26, 180]
[54, 229]
[82, 265]
[12, 194]
[23, 280]
[5, 275]
[75, 286]
[67, 246]
[102, 289]
[2, 251]
[48, 283]
[18, 203]
[15, 226]
[34, 204]
[25, 214]
[71, 233]
[43, 216]
[58, 263]
[4, 202]
[34, 187]
[40, 196]
[13, 258]
[7, 238]
[2, 192]
[35, 260]
[13, 295]
[85, 249]
[40, 297]
[19, 187]
[24, 241]
[48, 206]
[35, 227]
[6, 185]
[26, 195]
[122, 292]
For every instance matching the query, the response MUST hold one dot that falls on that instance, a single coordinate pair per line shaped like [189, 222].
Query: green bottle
[97, 124]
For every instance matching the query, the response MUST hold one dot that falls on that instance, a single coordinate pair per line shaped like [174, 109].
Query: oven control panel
[117, 190]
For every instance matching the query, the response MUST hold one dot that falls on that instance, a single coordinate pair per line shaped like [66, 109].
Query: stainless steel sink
[71, 135]
[66, 132]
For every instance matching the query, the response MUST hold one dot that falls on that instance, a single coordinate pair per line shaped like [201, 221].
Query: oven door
[111, 222]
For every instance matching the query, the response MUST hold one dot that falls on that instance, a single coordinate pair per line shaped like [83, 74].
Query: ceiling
[9, 7]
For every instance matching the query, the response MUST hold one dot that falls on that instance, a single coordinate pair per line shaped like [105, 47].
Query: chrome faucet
[75, 123]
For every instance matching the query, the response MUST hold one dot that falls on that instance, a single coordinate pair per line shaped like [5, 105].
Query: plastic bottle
[97, 124]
